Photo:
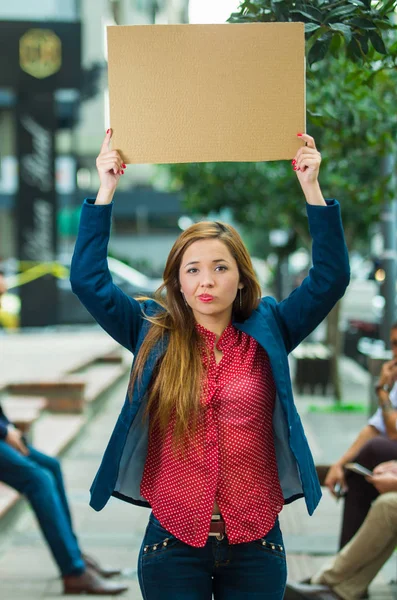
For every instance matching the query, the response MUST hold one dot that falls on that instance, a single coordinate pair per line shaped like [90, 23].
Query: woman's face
[209, 278]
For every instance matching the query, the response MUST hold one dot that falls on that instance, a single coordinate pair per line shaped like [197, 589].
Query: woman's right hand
[109, 165]
[335, 475]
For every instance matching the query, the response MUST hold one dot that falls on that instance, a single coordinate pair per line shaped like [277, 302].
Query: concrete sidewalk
[51, 353]
[114, 535]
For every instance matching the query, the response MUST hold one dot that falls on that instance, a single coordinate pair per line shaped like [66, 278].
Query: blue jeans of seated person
[169, 569]
[39, 478]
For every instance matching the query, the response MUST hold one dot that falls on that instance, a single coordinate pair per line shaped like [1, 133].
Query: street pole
[36, 205]
[388, 224]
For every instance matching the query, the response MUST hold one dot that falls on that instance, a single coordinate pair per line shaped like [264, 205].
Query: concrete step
[100, 377]
[52, 432]
[23, 411]
[8, 499]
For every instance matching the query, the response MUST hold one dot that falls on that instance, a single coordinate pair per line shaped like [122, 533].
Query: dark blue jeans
[39, 478]
[171, 570]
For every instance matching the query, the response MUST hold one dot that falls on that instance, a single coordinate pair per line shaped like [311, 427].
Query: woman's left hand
[307, 162]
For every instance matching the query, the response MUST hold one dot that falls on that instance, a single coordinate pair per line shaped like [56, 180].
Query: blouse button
[155, 547]
[146, 548]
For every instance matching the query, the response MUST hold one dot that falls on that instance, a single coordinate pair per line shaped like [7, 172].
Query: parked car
[70, 310]
[129, 280]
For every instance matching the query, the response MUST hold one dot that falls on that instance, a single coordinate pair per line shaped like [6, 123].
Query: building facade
[146, 217]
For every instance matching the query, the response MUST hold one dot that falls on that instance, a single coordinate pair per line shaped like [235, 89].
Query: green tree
[351, 50]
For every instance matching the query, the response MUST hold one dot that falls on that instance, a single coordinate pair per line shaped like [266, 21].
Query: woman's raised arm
[326, 283]
[118, 314]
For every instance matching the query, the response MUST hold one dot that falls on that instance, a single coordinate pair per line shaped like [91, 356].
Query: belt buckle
[219, 536]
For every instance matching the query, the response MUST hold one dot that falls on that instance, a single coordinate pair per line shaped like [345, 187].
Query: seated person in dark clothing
[39, 478]
[351, 571]
[375, 444]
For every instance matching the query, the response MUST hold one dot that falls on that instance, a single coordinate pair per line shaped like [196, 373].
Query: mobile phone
[339, 491]
[359, 469]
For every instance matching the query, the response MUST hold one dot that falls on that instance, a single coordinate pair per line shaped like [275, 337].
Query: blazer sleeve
[118, 314]
[327, 280]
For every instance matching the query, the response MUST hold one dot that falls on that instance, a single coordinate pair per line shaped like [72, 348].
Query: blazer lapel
[263, 329]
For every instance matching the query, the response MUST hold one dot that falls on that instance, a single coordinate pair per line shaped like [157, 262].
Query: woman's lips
[206, 298]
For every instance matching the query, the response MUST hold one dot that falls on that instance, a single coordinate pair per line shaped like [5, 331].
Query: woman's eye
[194, 270]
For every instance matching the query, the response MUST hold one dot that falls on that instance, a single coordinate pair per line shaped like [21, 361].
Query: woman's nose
[207, 280]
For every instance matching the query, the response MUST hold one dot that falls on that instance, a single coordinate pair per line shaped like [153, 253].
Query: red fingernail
[295, 169]
[294, 162]
[124, 166]
[299, 134]
[107, 131]
[122, 172]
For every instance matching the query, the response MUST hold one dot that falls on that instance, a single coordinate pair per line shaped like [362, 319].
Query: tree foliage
[351, 100]
[359, 25]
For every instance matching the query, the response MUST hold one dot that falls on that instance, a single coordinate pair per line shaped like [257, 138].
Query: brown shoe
[305, 591]
[91, 583]
[102, 571]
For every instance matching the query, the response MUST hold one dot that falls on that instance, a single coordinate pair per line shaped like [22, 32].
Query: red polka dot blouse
[233, 460]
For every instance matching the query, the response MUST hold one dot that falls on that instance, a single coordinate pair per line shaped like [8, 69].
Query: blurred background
[53, 72]
[53, 113]
[62, 380]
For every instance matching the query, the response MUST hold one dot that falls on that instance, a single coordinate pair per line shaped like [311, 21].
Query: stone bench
[65, 396]
[23, 411]
[313, 368]
[99, 381]
[8, 498]
[322, 471]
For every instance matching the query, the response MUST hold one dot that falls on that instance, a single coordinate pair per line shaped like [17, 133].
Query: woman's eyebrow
[196, 262]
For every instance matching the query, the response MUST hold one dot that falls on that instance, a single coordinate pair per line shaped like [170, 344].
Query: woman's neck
[214, 323]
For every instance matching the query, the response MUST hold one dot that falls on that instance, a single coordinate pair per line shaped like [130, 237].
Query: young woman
[209, 437]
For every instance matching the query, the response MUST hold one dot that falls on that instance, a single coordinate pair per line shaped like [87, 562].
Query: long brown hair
[177, 384]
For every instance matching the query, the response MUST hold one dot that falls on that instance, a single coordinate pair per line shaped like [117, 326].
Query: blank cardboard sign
[198, 93]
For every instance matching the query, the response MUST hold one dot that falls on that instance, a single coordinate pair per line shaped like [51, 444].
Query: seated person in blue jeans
[39, 478]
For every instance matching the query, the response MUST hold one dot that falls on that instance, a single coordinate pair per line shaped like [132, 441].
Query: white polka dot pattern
[233, 458]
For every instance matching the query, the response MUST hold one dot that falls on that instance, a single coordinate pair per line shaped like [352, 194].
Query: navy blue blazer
[278, 326]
